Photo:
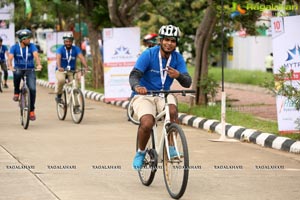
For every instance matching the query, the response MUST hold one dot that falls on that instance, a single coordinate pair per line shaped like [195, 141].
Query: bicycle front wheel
[176, 165]
[61, 107]
[147, 172]
[77, 106]
[24, 107]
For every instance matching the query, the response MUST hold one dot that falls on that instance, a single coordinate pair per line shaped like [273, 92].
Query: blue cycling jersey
[23, 57]
[148, 63]
[3, 49]
[68, 56]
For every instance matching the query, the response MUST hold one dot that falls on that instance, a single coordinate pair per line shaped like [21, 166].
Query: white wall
[250, 52]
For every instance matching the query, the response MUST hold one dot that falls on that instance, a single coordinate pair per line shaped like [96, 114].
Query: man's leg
[145, 109]
[31, 82]
[4, 68]
[61, 79]
[17, 79]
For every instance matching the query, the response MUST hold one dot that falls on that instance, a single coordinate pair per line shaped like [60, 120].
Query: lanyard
[22, 53]
[163, 74]
[67, 55]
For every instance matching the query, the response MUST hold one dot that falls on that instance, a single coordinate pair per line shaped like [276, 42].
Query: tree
[120, 15]
[95, 10]
[202, 42]
[123, 13]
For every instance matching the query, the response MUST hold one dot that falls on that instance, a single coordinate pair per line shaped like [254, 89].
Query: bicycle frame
[164, 136]
[69, 91]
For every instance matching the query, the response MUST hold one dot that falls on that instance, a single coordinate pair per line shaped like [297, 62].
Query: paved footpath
[60, 160]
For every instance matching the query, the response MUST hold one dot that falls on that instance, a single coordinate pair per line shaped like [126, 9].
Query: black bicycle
[24, 99]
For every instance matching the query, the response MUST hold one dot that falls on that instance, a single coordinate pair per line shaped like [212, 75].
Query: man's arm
[134, 78]
[9, 62]
[58, 62]
[185, 80]
[83, 61]
[37, 60]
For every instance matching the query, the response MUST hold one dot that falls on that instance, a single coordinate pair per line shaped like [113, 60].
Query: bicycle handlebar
[76, 71]
[183, 92]
[36, 70]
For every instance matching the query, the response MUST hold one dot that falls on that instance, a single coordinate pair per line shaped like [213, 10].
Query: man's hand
[140, 90]
[173, 73]
[39, 67]
[11, 68]
[60, 69]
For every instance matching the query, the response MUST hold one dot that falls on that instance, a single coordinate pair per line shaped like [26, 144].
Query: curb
[238, 132]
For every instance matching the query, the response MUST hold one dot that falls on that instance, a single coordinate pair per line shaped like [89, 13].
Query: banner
[54, 41]
[286, 51]
[121, 49]
[7, 27]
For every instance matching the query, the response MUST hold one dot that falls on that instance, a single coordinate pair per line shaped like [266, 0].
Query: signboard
[121, 49]
[7, 27]
[286, 51]
[54, 41]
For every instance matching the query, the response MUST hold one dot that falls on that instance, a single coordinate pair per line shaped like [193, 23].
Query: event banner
[286, 51]
[120, 51]
[54, 40]
[7, 27]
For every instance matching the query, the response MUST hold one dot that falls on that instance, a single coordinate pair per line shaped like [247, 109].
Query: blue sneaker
[173, 152]
[139, 160]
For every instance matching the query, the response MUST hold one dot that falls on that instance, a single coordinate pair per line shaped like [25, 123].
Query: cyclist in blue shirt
[3, 53]
[155, 69]
[24, 53]
[66, 56]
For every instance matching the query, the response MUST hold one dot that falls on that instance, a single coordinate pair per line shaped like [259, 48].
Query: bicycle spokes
[24, 104]
[77, 106]
[176, 162]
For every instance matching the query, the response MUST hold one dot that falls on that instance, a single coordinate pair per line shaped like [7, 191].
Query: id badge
[68, 67]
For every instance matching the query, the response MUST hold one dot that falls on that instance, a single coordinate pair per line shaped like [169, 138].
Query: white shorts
[143, 104]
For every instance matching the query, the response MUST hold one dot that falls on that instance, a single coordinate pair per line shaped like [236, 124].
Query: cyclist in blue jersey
[3, 53]
[150, 40]
[155, 69]
[25, 54]
[66, 56]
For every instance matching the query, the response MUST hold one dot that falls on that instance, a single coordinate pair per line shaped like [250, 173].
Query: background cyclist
[24, 54]
[3, 53]
[155, 69]
[150, 40]
[66, 56]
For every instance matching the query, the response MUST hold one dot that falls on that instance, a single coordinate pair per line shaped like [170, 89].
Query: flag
[28, 9]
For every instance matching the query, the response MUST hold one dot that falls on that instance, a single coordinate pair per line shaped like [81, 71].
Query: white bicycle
[73, 96]
[175, 167]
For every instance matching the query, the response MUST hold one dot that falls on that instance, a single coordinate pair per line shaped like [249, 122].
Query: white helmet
[169, 31]
[68, 36]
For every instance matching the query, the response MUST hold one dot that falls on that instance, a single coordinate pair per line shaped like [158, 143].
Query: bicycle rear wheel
[61, 107]
[176, 169]
[77, 106]
[147, 172]
[130, 114]
[24, 107]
